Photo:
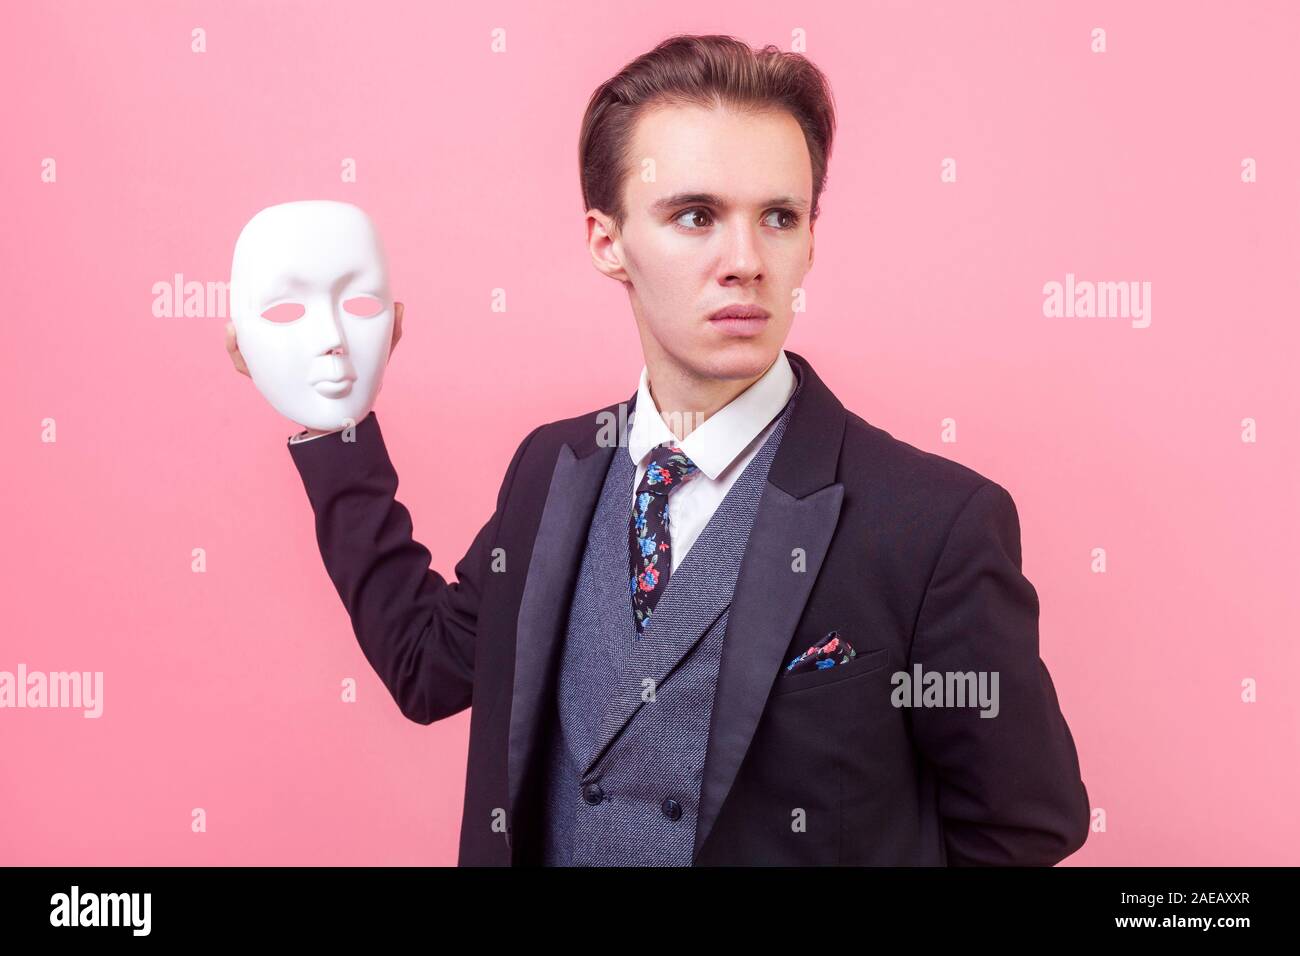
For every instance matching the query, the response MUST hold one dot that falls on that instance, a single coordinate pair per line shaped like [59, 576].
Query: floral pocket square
[832, 650]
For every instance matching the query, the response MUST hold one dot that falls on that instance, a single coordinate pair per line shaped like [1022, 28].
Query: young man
[681, 642]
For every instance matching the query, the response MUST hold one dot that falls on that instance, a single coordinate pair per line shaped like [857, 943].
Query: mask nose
[331, 370]
[326, 330]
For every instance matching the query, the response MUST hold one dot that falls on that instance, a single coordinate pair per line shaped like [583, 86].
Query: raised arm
[415, 628]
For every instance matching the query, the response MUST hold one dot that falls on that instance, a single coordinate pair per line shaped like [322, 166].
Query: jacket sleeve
[415, 628]
[1010, 791]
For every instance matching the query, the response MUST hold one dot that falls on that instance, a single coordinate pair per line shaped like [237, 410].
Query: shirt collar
[714, 445]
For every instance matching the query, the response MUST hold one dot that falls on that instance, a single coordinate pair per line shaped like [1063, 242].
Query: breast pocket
[867, 662]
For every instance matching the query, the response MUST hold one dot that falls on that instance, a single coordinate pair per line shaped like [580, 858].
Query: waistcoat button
[671, 808]
[593, 794]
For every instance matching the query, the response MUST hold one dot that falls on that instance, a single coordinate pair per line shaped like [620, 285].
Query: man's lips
[740, 312]
[742, 321]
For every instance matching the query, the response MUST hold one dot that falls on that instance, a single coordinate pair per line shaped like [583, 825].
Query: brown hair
[705, 71]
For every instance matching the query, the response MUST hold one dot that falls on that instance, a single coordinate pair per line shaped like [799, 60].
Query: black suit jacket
[913, 558]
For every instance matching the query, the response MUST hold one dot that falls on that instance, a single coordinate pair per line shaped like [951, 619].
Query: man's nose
[742, 253]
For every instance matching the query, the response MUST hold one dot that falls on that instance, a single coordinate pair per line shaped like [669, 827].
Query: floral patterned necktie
[648, 532]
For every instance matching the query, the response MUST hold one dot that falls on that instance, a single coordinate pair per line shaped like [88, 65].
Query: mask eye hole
[285, 312]
[364, 306]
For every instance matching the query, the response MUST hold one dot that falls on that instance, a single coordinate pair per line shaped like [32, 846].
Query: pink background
[222, 689]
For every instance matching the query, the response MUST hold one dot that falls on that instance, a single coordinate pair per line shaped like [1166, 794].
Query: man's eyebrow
[668, 203]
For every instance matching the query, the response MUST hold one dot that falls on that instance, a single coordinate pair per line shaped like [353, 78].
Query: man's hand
[232, 346]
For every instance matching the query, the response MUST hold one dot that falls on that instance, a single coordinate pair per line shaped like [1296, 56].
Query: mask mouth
[333, 376]
[331, 388]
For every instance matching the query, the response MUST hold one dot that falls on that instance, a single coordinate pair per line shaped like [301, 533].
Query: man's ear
[604, 245]
[812, 243]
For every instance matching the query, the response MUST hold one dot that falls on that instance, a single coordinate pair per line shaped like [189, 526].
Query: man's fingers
[232, 346]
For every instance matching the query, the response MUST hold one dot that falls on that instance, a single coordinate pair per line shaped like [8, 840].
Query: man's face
[312, 312]
[723, 223]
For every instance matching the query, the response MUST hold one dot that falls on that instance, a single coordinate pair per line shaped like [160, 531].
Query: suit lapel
[543, 609]
[800, 509]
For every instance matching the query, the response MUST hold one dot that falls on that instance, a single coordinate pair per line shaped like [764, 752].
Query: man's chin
[740, 359]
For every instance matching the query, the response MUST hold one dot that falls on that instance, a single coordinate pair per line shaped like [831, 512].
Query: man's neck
[685, 401]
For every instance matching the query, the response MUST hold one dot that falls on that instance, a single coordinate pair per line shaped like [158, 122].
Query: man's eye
[693, 212]
[285, 312]
[792, 218]
[364, 306]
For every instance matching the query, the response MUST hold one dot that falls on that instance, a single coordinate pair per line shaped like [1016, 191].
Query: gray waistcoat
[625, 763]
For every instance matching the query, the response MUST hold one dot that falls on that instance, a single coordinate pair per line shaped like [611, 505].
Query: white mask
[312, 312]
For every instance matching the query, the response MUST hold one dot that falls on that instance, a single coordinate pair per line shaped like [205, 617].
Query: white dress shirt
[721, 447]
[302, 436]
